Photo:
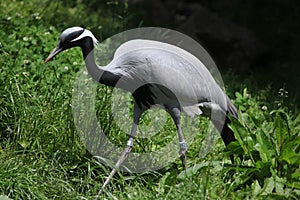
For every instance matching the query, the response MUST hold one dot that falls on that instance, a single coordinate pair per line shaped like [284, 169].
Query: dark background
[252, 38]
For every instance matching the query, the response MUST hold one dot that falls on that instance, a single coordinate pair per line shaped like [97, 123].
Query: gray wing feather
[146, 61]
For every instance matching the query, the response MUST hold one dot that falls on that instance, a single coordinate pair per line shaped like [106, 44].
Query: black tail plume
[226, 133]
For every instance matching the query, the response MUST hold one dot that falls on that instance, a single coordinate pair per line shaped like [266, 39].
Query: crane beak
[56, 51]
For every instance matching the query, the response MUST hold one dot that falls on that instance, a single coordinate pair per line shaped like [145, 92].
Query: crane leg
[137, 114]
[175, 114]
[182, 153]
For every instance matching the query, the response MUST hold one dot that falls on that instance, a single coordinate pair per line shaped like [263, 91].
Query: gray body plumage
[140, 62]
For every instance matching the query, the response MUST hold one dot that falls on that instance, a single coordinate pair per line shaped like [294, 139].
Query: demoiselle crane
[156, 73]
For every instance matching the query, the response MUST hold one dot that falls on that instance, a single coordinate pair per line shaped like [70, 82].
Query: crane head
[69, 38]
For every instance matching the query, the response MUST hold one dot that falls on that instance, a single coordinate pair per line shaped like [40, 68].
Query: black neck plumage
[98, 73]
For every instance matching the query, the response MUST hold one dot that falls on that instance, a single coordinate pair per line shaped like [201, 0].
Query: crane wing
[151, 62]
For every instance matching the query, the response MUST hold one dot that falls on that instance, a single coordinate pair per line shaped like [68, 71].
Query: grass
[42, 156]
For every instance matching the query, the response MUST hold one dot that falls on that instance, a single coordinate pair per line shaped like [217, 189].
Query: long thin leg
[137, 115]
[175, 114]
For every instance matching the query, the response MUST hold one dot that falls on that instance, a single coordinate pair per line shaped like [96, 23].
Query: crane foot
[114, 170]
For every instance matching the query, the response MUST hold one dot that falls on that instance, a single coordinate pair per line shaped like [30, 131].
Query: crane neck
[98, 73]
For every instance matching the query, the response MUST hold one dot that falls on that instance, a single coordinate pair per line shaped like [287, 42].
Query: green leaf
[235, 148]
[281, 127]
[256, 189]
[240, 131]
[24, 143]
[264, 146]
[269, 185]
[290, 157]
[238, 95]
[279, 184]
[296, 120]
[263, 169]
[293, 185]
[289, 152]
[296, 174]
[189, 172]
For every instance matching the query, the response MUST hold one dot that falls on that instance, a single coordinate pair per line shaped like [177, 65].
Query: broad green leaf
[238, 95]
[279, 184]
[235, 148]
[269, 185]
[264, 146]
[290, 157]
[296, 174]
[281, 128]
[256, 189]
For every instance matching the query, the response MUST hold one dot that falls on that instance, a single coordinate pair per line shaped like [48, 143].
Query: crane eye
[62, 42]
